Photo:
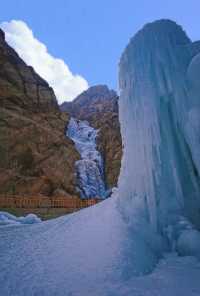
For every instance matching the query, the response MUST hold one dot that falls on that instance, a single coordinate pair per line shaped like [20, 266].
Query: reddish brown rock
[36, 157]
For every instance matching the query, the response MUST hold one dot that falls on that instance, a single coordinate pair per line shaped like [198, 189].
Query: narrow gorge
[37, 157]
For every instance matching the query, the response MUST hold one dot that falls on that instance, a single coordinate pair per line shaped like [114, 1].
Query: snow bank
[92, 252]
[8, 219]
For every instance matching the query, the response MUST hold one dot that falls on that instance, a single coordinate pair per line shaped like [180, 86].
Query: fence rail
[45, 202]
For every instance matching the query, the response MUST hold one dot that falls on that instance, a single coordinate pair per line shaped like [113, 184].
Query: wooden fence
[45, 202]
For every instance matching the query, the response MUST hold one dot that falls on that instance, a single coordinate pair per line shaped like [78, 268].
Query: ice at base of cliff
[9, 219]
[90, 169]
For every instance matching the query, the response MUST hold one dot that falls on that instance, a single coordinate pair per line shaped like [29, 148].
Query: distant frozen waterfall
[89, 170]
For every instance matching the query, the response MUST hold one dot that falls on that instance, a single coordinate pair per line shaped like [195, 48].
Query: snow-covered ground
[89, 253]
[89, 170]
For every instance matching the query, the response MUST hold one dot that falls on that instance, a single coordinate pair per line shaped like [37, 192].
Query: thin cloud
[65, 84]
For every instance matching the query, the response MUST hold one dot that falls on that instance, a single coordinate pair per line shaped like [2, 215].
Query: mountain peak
[98, 98]
[99, 90]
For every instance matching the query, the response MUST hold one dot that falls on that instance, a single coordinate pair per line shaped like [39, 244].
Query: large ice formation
[90, 169]
[159, 184]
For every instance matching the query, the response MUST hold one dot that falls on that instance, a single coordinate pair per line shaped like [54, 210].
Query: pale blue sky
[90, 35]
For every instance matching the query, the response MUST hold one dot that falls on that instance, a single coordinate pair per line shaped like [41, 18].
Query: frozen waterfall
[89, 170]
[159, 104]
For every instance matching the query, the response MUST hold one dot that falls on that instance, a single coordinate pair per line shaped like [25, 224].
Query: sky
[78, 43]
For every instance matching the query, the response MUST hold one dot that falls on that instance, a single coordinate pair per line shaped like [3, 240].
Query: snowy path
[77, 255]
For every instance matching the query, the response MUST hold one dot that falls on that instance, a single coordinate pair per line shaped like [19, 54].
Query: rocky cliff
[99, 106]
[36, 157]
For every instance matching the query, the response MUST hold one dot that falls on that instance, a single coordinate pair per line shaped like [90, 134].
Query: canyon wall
[36, 156]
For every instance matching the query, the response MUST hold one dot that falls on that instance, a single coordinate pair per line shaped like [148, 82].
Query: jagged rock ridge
[96, 100]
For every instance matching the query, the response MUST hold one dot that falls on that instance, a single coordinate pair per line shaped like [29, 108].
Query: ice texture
[160, 123]
[9, 219]
[90, 169]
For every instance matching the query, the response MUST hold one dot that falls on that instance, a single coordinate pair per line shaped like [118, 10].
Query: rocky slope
[99, 106]
[36, 157]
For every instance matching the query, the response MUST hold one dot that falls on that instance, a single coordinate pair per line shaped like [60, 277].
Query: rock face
[17, 78]
[159, 182]
[36, 157]
[92, 102]
[99, 106]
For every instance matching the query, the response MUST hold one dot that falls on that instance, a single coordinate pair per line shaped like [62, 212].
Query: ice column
[160, 123]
